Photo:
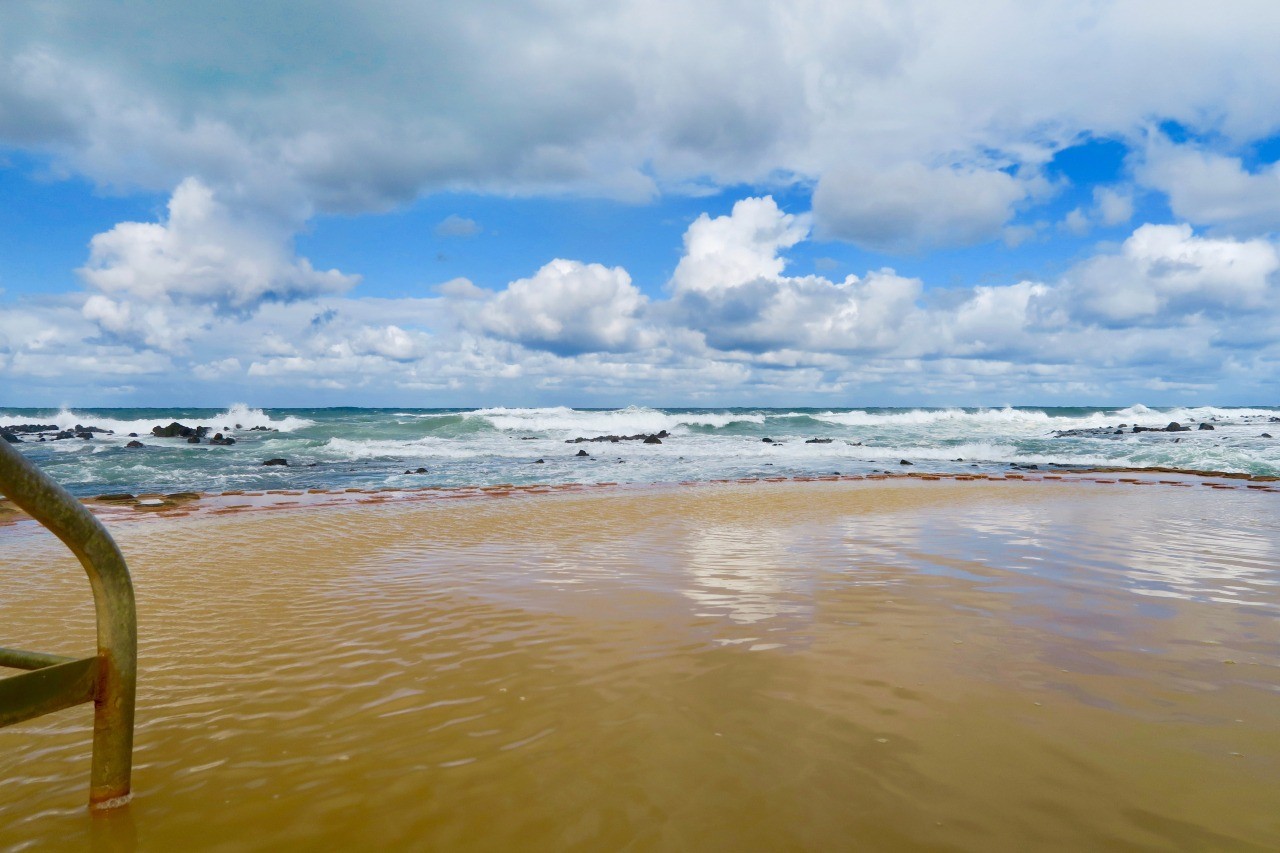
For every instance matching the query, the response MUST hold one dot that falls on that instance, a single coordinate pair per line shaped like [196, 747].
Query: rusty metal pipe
[116, 682]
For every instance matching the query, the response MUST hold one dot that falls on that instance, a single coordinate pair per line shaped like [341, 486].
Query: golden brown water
[878, 666]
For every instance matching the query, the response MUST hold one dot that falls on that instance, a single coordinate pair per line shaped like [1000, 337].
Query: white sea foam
[238, 413]
[629, 421]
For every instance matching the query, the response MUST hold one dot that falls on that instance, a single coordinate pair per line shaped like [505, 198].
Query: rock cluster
[647, 438]
[177, 430]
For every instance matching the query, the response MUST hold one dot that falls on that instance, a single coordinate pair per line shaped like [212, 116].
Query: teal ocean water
[355, 447]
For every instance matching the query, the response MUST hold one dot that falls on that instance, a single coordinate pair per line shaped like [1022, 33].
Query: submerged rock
[135, 443]
[582, 453]
[284, 462]
[1205, 426]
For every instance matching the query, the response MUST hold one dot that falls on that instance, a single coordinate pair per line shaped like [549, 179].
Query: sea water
[369, 448]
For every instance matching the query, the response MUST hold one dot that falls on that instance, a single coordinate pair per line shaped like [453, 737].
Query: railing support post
[115, 678]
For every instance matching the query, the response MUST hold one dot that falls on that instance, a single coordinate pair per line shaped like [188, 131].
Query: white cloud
[910, 117]
[1077, 222]
[203, 253]
[568, 307]
[457, 226]
[1165, 268]
[730, 250]
[1112, 206]
[910, 207]
[1167, 306]
[1207, 188]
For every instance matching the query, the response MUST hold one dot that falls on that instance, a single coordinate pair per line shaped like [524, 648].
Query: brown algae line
[120, 507]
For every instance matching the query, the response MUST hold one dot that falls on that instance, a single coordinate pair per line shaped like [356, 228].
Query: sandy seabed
[891, 665]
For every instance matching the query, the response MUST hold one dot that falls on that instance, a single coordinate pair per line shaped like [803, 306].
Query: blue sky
[617, 203]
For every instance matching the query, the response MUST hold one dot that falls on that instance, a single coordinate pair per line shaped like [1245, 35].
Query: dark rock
[66, 433]
[767, 440]
[135, 443]
[1205, 426]
[276, 462]
[10, 437]
[652, 439]
[195, 439]
[614, 439]
[22, 429]
[260, 429]
[419, 470]
[582, 453]
[177, 430]
[817, 441]
[540, 462]
[528, 438]
[905, 462]
[1174, 426]
[239, 427]
[133, 435]
[1265, 435]
[87, 436]
[115, 498]
[79, 429]
[219, 438]
[958, 460]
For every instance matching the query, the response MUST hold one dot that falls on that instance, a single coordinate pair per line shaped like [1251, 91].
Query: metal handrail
[109, 679]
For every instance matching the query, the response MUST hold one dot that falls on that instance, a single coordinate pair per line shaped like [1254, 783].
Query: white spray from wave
[236, 416]
[632, 420]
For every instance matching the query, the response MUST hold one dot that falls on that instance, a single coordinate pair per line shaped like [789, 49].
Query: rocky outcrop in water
[658, 436]
[23, 429]
[177, 430]
[284, 462]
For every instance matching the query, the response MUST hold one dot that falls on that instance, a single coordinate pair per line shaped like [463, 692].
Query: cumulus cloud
[203, 253]
[568, 307]
[910, 207]
[1167, 306]
[744, 246]
[1165, 268]
[1207, 188]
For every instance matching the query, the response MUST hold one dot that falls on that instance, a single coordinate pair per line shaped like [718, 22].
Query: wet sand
[898, 664]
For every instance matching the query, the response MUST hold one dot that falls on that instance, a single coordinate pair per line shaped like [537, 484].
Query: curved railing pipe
[110, 678]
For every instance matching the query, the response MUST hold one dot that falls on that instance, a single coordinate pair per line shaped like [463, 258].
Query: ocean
[370, 448]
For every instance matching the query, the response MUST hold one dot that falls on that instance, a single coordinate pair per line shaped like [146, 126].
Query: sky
[740, 203]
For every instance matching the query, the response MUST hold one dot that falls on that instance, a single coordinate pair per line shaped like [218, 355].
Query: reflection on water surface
[776, 666]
